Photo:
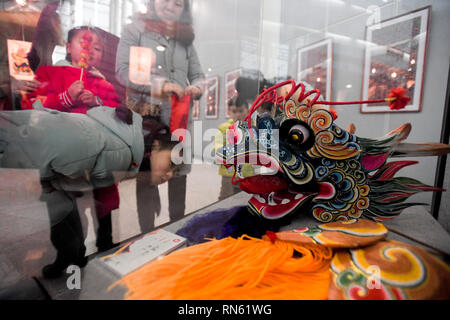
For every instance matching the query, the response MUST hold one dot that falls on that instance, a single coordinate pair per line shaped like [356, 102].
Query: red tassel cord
[271, 235]
[396, 99]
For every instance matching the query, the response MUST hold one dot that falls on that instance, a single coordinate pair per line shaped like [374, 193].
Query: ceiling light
[21, 3]
[142, 8]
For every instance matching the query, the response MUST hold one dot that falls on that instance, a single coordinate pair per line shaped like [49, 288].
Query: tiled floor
[24, 226]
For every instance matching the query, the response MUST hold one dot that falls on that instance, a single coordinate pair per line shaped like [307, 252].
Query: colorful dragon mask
[305, 162]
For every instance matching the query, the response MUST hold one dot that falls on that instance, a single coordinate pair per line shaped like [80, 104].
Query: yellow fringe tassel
[234, 269]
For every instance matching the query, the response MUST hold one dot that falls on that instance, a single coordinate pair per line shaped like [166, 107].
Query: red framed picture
[211, 97]
[314, 66]
[395, 57]
[230, 90]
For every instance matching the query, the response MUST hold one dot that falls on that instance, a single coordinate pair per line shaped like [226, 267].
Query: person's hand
[29, 86]
[194, 91]
[75, 90]
[171, 87]
[87, 97]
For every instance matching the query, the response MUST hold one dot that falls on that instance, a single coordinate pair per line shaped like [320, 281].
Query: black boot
[104, 234]
[56, 269]
[67, 237]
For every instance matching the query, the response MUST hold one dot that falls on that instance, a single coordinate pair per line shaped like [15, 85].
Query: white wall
[308, 21]
[224, 26]
[221, 27]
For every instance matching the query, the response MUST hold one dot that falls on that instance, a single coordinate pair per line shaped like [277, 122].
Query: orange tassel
[234, 269]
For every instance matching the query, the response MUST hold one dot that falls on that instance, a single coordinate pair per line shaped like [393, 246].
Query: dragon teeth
[261, 170]
[270, 198]
[298, 196]
[239, 171]
[259, 198]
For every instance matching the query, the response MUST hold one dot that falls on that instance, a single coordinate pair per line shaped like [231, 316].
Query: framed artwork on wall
[395, 57]
[19, 67]
[196, 110]
[314, 66]
[230, 90]
[212, 98]
[142, 60]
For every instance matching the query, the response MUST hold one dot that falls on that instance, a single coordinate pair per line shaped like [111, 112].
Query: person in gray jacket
[166, 28]
[73, 152]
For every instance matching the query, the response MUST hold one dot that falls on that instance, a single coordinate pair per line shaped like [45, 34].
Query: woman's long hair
[47, 35]
[155, 130]
[183, 32]
[185, 17]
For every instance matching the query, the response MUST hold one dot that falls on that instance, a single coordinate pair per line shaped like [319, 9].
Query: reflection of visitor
[238, 110]
[63, 91]
[157, 167]
[167, 29]
[81, 153]
[61, 84]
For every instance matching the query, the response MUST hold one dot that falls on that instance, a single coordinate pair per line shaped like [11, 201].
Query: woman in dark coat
[167, 29]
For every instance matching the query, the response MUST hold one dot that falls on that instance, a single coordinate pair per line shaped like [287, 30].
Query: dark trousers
[66, 231]
[149, 202]
[177, 197]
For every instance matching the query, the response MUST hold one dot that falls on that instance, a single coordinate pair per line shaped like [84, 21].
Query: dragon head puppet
[304, 162]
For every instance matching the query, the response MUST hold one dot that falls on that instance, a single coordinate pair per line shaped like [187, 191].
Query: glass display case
[192, 73]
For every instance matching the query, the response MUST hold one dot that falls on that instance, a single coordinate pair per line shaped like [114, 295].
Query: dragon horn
[351, 128]
[420, 149]
[402, 131]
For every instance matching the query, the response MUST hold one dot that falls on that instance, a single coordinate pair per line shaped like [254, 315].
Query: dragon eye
[297, 134]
